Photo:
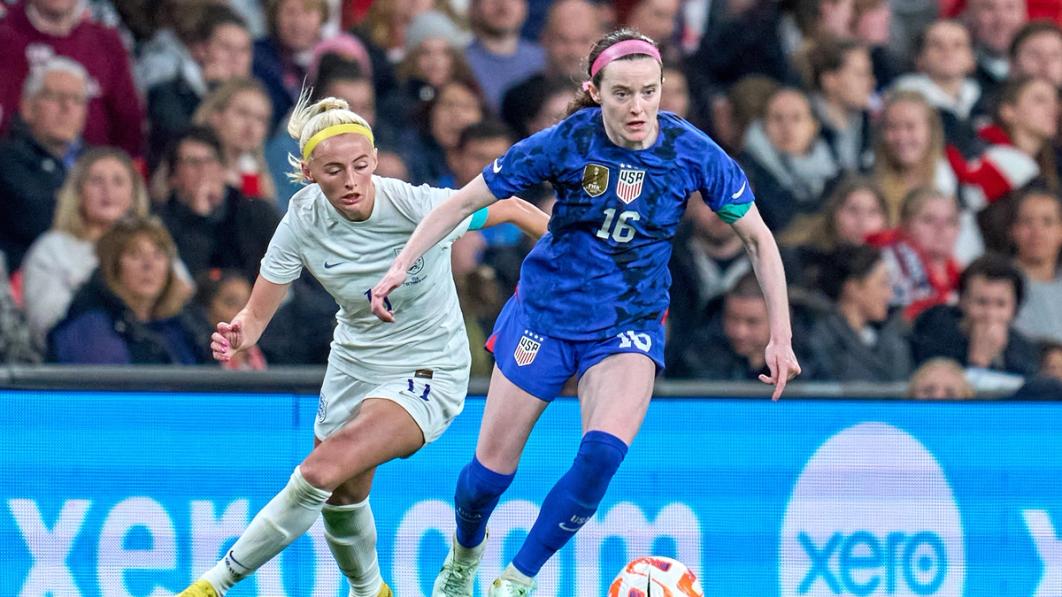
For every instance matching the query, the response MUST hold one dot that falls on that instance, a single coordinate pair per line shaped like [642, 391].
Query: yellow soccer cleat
[385, 591]
[201, 588]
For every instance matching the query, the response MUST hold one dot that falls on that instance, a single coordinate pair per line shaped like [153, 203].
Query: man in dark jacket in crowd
[979, 331]
[213, 225]
[42, 145]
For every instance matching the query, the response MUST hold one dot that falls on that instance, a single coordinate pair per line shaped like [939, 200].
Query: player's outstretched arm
[767, 262]
[246, 328]
[532, 220]
[433, 228]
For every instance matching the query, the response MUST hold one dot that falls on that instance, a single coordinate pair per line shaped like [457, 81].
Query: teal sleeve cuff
[733, 212]
[478, 219]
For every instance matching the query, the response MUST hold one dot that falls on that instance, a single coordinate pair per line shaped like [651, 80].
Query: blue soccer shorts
[540, 364]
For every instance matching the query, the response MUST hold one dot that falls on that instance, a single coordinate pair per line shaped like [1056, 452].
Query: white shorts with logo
[432, 397]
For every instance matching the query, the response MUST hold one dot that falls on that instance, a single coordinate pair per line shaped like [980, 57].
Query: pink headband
[621, 49]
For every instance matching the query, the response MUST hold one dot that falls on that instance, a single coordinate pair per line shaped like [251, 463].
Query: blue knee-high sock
[572, 501]
[478, 491]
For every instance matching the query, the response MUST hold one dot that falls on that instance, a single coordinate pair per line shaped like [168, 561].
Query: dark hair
[1025, 194]
[838, 197]
[1008, 95]
[212, 16]
[272, 10]
[1031, 29]
[1014, 208]
[582, 97]
[332, 68]
[747, 286]
[209, 283]
[421, 115]
[1046, 348]
[805, 15]
[197, 134]
[847, 262]
[923, 35]
[518, 109]
[829, 56]
[485, 129]
[995, 268]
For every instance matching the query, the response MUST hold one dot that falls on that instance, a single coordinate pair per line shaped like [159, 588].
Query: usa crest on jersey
[629, 185]
[527, 349]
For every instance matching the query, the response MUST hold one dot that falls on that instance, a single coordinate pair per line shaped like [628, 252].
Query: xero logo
[861, 563]
[872, 514]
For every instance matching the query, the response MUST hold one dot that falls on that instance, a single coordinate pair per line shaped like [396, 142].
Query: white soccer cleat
[503, 587]
[457, 577]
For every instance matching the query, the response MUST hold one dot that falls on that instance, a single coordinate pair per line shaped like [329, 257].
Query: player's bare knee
[321, 473]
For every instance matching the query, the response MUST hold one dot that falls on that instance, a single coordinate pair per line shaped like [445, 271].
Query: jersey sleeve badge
[595, 179]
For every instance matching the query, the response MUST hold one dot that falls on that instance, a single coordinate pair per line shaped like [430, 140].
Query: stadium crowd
[906, 153]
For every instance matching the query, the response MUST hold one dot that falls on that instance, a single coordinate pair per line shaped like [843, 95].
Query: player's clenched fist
[394, 278]
[226, 341]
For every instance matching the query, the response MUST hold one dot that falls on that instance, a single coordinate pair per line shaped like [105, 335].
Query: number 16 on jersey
[619, 229]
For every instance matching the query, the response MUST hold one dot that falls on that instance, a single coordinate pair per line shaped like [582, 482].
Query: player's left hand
[391, 280]
[782, 363]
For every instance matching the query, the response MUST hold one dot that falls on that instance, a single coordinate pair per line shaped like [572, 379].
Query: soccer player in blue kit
[593, 293]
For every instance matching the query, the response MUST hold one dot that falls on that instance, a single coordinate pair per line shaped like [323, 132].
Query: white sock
[285, 518]
[511, 573]
[351, 534]
[469, 554]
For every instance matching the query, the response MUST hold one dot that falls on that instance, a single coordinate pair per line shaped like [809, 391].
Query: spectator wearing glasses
[214, 225]
[37, 30]
[42, 145]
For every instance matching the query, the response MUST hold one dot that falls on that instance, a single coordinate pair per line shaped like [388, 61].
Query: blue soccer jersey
[603, 265]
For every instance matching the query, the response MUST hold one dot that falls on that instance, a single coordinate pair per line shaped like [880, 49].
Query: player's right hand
[783, 366]
[378, 301]
[226, 341]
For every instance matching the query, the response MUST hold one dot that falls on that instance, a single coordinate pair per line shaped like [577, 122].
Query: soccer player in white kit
[388, 389]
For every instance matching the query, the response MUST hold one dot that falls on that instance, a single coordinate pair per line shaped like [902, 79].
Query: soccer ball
[655, 576]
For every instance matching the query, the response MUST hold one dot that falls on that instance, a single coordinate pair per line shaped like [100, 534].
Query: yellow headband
[332, 131]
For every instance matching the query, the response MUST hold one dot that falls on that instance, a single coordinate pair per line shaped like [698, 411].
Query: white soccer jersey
[349, 258]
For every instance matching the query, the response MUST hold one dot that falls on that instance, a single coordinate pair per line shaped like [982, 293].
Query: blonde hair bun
[308, 119]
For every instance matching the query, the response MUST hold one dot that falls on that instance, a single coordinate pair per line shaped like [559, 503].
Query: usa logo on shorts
[527, 349]
[629, 185]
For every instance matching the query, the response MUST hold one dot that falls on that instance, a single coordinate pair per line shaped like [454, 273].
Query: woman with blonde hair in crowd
[103, 187]
[940, 378]
[911, 153]
[909, 150]
[131, 312]
[920, 253]
[389, 389]
[239, 113]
